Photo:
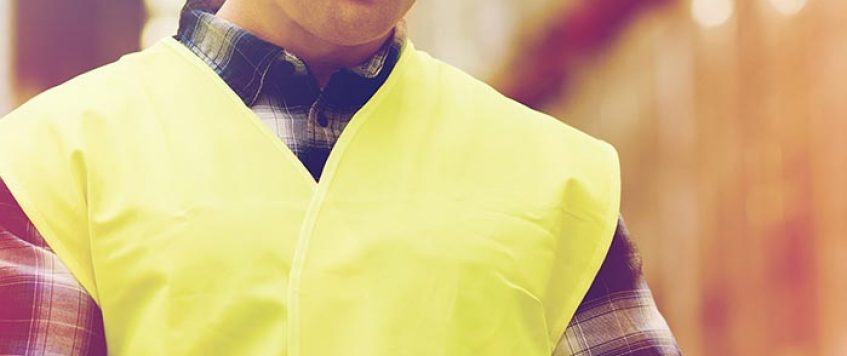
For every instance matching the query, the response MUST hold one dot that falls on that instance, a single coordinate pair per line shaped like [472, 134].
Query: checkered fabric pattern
[278, 87]
[44, 310]
[643, 332]
[618, 315]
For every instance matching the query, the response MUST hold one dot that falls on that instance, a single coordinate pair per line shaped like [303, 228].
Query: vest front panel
[448, 220]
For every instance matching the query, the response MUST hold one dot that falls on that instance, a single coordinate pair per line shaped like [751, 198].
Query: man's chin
[348, 22]
[349, 35]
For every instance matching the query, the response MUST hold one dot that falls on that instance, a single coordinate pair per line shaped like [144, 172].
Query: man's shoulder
[73, 96]
[110, 87]
[522, 136]
[485, 103]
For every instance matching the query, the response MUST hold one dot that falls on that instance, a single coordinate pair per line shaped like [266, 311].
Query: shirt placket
[319, 128]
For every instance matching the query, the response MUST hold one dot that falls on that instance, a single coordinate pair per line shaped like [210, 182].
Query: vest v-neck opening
[319, 188]
[194, 184]
[344, 138]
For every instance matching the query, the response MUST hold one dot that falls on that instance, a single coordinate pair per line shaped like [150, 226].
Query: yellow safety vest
[449, 220]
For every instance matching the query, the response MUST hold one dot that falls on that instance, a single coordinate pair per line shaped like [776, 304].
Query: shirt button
[322, 120]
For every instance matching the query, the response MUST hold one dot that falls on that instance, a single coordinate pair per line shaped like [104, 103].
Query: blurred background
[730, 117]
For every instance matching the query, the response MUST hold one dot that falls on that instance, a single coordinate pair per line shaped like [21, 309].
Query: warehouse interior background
[730, 117]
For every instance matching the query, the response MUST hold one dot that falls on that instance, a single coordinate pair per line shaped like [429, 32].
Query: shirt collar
[243, 60]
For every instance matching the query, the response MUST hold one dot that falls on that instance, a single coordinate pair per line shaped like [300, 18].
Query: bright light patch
[788, 7]
[712, 13]
[6, 34]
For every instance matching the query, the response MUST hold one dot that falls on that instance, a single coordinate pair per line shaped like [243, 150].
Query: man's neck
[323, 58]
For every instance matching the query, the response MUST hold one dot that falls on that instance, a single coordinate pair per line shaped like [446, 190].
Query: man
[199, 197]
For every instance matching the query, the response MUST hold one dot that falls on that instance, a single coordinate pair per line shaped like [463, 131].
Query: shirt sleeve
[43, 309]
[618, 315]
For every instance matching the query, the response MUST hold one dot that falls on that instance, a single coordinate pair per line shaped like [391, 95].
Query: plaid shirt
[279, 88]
[44, 310]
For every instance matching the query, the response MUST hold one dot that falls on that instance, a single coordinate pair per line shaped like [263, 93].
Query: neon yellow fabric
[449, 220]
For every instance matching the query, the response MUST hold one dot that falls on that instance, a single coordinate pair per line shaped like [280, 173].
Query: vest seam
[319, 198]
